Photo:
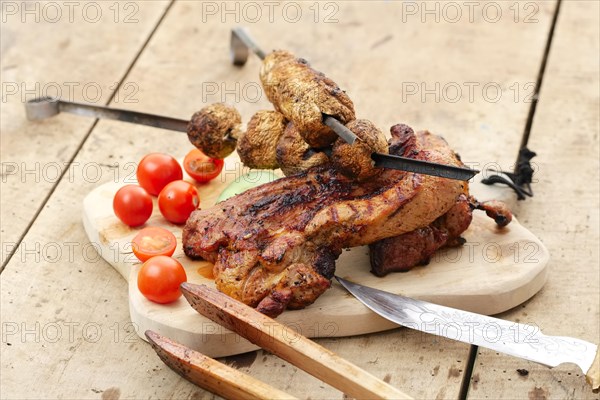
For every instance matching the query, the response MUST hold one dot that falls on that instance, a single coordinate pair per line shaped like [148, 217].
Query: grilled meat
[402, 253]
[497, 210]
[215, 129]
[354, 160]
[275, 245]
[257, 147]
[303, 96]
[294, 155]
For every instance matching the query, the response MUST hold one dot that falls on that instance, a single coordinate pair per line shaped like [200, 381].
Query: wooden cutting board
[493, 272]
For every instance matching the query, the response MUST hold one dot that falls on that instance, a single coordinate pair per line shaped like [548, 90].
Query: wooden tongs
[271, 336]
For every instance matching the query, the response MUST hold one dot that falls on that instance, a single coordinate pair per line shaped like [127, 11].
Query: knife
[519, 340]
[271, 336]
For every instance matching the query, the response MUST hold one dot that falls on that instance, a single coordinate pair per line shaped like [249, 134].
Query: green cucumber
[252, 179]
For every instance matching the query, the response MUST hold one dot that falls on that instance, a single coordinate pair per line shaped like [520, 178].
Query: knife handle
[593, 375]
[211, 374]
[294, 348]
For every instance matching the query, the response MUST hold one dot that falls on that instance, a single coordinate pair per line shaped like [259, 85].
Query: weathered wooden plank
[78, 51]
[564, 214]
[176, 74]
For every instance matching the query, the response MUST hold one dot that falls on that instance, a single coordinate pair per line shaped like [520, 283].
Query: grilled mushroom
[257, 147]
[215, 129]
[354, 160]
[294, 155]
[304, 96]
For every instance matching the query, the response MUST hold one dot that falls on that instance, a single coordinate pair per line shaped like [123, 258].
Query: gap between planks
[540, 78]
[465, 385]
[86, 136]
[466, 382]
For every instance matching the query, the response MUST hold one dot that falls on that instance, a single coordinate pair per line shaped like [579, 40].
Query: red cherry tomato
[177, 201]
[201, 167]
[156, 170]
[153, 241]
[132, 205]
[159, 279]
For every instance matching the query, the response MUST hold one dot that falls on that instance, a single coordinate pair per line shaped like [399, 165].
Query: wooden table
[464, 70]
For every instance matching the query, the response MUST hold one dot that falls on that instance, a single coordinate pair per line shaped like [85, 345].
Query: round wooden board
[493, 272]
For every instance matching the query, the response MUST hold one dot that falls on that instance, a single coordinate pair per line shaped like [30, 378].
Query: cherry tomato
[156, 170]
[159, 279]
[132, 205]
[153, 241]
[177, 201]
[201, 167]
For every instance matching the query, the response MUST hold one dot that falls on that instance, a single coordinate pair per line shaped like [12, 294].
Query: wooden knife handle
[288, 344]
[210, 374]
[593, 375]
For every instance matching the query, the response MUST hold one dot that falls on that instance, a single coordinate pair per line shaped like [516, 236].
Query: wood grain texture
[79, 53]
[294, 348]
[381, 53]
[497, 269]
[210, 374]
[592, 376]
[564, 213]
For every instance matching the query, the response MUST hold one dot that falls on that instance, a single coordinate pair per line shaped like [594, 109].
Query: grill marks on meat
[275, 246]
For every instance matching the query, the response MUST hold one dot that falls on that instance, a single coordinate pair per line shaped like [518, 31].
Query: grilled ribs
[275, 246]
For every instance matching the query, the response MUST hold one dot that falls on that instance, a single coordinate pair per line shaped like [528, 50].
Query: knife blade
[516, 339]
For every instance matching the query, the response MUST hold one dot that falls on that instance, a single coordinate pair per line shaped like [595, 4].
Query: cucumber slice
[248, 181]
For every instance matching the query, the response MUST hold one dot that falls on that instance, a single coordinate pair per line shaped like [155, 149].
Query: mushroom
[215, 129]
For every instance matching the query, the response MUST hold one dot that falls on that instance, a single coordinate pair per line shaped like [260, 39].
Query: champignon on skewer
[354, 160]
[303, 95]
[294, 155]
[269, 144]
[257, 146]
[215, 129]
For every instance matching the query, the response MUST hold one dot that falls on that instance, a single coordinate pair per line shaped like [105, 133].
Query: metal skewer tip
[41, 108]
[241, 44]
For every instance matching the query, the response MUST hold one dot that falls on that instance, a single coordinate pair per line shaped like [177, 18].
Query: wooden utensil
[287, 344]
[470, 278]
[211, 374]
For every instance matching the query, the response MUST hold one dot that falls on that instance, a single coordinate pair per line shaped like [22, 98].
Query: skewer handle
[46, 107]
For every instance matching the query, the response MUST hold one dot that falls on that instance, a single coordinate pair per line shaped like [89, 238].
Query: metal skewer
[242, 43]
[46, 107]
